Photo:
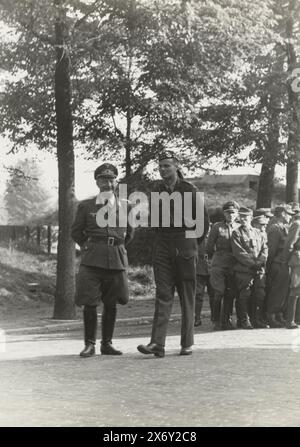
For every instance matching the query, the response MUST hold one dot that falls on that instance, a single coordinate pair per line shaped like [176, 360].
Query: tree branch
[41, 37]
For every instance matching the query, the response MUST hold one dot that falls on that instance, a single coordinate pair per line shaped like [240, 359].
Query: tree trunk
[64, 307]
[293, 155]
[292, 194]
[266, 183]
[128, 144]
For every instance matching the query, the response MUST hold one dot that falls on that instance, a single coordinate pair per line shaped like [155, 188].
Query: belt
[110, 240]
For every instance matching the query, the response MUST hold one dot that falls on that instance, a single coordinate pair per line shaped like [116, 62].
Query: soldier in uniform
[202, 283]
[277, 268]
[219, 252]
[102, 273]
[174, 263]
[291, 255]
[249, 247]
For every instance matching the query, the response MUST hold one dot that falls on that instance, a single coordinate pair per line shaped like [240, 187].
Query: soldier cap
[262, 220]
[263, 212]
[106, 170]
[231, 206]
[295, 207]
[243, 211]
[284, 208]
[168, 155]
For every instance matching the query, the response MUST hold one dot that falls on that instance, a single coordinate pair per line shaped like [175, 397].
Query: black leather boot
[108, 324]
[88, 351]
[273, 323]
[259, 322]
[90, 330]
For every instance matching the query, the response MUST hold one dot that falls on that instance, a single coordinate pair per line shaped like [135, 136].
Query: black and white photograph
[149, 216]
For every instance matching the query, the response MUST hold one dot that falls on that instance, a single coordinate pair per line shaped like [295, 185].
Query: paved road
[233, 378]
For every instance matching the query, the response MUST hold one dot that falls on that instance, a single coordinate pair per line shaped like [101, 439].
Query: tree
[25, 197]
[37, 106]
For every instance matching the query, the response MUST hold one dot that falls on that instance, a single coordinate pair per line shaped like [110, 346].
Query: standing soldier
[174, 262]
[277, 268]
[102, 272]
[250, 250]
[202, 283]
[291, 254]
[219, 251]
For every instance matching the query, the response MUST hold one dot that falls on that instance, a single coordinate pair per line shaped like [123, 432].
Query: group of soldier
[252, 259]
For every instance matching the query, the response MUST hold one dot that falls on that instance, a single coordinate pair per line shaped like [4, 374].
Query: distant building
[246, 181]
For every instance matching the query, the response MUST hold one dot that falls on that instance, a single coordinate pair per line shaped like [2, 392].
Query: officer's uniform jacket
[103, 247]
[250, 249]
[292, 243]
[218, 246]
[277, 235]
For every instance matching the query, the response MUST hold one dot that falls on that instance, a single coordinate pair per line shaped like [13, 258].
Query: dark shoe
[152, 348]
[260, 324]
[186, 351]
[197, 322]
[273, 323]
[228, 326]
[88, 351]
[108, 349]
[292, 325]
[246, 325]
[280, 319]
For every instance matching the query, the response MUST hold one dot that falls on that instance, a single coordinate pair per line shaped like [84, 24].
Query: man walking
[102, 272]
[175, 258]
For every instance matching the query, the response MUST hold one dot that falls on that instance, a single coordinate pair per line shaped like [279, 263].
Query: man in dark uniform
[219, 251]
[174, 262]
[102, 273]
[249, 247]
[291, 255]
[277, 269]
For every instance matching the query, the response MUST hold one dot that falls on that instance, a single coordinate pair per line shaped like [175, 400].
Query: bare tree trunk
[64, 307]
[266, 182]
[292, 193]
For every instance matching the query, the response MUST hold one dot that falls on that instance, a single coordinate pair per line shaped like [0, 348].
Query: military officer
[219, 252]
[102, 272]
[174, 262]
[260, 222]
[277, 268]
[291, 254]
[202, 283]
[249, 247]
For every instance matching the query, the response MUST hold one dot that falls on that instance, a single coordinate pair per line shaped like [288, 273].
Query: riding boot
[108, 324]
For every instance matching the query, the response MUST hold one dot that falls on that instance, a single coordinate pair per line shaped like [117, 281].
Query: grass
[19, 270]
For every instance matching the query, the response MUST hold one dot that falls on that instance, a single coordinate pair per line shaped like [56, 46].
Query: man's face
[230, 216]
[167, 169]
[106, 183]
[286, 217]
[245, 220]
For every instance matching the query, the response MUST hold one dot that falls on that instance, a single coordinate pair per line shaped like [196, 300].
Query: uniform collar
[111, 202]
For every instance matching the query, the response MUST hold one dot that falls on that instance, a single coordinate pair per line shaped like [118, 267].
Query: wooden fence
[43, 237]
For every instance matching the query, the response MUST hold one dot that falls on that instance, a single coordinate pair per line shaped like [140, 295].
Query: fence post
[49, 239]
[27, 234]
